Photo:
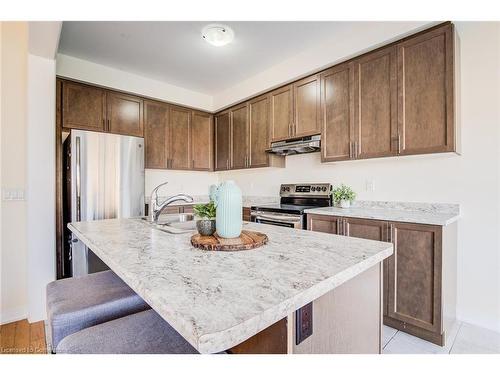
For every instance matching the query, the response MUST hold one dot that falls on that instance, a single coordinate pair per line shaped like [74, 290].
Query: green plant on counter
[343, 193]
[205, 210]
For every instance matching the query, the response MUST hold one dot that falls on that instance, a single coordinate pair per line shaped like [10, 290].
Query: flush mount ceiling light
[217, 35]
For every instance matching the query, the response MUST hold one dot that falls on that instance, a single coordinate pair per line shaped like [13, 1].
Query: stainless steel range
[294, 199]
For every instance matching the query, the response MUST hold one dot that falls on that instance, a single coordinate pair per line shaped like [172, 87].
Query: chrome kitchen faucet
[156, 208]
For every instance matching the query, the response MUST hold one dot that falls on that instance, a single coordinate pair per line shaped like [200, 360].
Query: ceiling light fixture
[217, 35]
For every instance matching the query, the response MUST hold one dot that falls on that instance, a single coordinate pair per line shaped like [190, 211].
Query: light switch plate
[10, 194]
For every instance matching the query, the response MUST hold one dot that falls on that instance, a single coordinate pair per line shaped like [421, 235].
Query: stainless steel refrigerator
[106, 182]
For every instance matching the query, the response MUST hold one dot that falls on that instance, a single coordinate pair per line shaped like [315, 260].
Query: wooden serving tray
[246, 241]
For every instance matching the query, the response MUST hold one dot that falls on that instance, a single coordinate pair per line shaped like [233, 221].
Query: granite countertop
[216, 300]
[419, 213]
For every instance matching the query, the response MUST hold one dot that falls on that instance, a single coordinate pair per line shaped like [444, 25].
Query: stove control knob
[313, 188]
[324, 188]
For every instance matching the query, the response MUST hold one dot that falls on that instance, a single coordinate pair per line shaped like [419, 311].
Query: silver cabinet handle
[399, 143]
[350, 149]
[78, 180]
[391, 228]
[345, 228]
[339, 227]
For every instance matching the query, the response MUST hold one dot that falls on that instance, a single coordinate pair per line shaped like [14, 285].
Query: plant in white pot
[343, 196]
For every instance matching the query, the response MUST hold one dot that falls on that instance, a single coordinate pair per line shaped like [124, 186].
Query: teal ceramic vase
[229, 210]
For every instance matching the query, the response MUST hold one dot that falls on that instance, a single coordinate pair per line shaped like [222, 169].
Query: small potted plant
[343, 196]
[206, 218]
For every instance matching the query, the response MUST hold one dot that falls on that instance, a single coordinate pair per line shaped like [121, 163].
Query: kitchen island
[246, 301]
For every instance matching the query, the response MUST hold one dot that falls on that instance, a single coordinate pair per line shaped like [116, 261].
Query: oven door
[274, 218]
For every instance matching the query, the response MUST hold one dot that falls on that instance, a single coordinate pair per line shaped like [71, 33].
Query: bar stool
[142, 333]
[80, 302]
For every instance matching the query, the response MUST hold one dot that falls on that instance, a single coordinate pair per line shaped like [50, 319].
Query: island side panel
[348, 319]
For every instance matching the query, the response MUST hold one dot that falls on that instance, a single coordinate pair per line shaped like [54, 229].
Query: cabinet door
[425, 92]
[337, 113]
[239, 137]
[324, 223]
[281, 113]
[258, 132]
[307, 106]
[202, 141]
[58, 102]
[156, 134]
[414, 294]
[124, 114]
[180, 132]
[222, 141]
[375, 103]
[84, 107]
[370, 230]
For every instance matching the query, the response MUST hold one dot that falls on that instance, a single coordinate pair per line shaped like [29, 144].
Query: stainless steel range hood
[302, 145]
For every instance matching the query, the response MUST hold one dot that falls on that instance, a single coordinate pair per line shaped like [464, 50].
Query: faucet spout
[156, 208]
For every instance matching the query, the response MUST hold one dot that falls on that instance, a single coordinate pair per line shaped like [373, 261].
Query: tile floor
[464, 338]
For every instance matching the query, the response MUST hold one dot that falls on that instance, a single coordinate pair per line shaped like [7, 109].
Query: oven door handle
[277, 217]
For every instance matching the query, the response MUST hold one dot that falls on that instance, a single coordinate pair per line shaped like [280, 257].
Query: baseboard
[13, 315]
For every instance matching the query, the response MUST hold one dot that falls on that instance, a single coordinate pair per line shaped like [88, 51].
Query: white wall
[41, 182]
[471, 179]
[14, 45]
[71, 67]
[193, 183]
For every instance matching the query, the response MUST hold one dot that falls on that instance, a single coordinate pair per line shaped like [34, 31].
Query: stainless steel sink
[174, 223]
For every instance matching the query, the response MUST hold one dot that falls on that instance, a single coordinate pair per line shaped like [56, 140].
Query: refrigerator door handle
[78, 181]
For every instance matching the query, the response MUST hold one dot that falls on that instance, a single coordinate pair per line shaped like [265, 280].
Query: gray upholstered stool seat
[142, 333]
[80, 302]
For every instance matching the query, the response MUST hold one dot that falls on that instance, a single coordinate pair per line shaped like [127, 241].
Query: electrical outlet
[370, 185]
[303, 323]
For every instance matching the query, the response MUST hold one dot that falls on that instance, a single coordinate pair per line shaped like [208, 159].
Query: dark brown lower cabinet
[246, 214]
[419, 278]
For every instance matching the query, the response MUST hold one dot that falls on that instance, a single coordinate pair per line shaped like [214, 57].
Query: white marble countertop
[419, 213]
[217, 300]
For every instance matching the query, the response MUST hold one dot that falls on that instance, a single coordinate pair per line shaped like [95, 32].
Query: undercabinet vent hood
[302, 145]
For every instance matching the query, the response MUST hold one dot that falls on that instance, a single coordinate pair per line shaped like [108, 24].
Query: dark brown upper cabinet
[307, 112]
[179, 156]
[83, 107]
[375, 104]
[124, 114]
[156, 135]
[337, 113]
[222, 141]
[202, 140]
[92, 108]
[258, 128]
[239, 137]
[281, 113]
[425, 92]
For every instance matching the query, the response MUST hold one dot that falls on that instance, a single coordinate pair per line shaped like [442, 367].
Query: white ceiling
[174, 52]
